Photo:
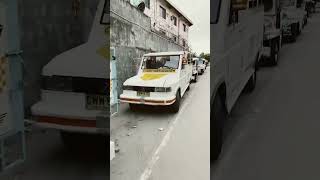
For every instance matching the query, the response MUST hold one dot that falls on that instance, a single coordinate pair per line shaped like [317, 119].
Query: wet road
[180, 151]
[274, 132]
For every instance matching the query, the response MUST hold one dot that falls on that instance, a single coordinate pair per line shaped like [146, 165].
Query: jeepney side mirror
[114, 58]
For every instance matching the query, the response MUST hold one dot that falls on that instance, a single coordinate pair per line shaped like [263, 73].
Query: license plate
[143, 94]
[97, 102]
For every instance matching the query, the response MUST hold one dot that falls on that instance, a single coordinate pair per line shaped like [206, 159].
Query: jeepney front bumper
[67, 112]
[154, 98]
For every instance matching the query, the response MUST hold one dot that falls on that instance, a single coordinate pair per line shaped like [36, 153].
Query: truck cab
[162, 80]
[74, 89]
[236, 46]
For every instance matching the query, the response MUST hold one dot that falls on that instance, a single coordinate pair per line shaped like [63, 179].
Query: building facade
[167, 20]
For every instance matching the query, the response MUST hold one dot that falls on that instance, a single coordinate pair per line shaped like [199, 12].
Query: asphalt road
[274, 132]
[49, 159]
[179, 151]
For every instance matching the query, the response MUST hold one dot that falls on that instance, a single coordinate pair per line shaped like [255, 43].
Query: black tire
[293, 36]
[298, 29]
[133, 107]
[176, 104]
[251, 84]
[218, 118]
[274, 53]
[70, 140]
[195, 78]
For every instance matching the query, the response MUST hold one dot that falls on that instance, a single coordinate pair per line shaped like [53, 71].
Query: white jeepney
[74, 93]
[272, 38]
[195, 71]
[162, 79]
[236, 45]
[294, 18]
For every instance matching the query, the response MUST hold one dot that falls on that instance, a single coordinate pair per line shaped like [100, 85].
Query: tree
[205, 56]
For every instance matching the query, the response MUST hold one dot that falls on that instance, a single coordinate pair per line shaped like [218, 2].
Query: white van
[74, 93]
[162, 79]
[236, 45]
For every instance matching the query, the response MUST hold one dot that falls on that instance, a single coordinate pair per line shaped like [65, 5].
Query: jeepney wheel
[293, 36]
[195, 78]
[176, 104]
[251, 84]
[70, 140]
[275, 53]
[133, 107]
[299, 29]
[218, 118]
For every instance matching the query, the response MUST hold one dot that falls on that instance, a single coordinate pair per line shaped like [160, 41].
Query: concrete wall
[131, 37]
[49, 28]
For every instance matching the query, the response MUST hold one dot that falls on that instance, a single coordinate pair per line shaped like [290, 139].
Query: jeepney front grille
[76, 84]
[143, 89]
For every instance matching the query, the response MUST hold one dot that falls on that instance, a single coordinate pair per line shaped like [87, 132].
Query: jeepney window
[105, 17]
[253, 3]
[161, 62]
[268, 5]
[215, 11]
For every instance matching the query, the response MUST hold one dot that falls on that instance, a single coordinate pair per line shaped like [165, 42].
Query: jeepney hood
[153, 79]
[81, 61]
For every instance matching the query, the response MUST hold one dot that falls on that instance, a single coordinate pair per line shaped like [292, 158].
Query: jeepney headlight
[162, 89]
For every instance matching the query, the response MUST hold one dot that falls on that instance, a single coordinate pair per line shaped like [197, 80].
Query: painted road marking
[148, 170]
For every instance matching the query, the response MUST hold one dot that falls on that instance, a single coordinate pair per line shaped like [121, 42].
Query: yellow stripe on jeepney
[152, 76]
[3, 74]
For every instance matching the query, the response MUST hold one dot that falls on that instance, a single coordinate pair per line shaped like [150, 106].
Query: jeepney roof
[166, 53]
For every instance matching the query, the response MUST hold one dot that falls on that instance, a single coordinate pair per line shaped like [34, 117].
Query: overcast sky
[199, 12]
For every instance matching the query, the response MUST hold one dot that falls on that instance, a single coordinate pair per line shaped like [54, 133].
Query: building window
[183, 43]
[147, 3]
[184, 28]
[163, 32]
[163, 12]
[174, 19]
[174, 38]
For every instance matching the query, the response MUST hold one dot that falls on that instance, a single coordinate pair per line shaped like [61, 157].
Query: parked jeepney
[162, 79]
[272, 37]
[294, 18]
[236, 45]
[195, 71]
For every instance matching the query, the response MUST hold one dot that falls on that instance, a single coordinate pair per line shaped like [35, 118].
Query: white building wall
[158, 23]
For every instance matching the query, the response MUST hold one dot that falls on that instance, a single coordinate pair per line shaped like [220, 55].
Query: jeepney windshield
[215, 10]
[160, 63]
